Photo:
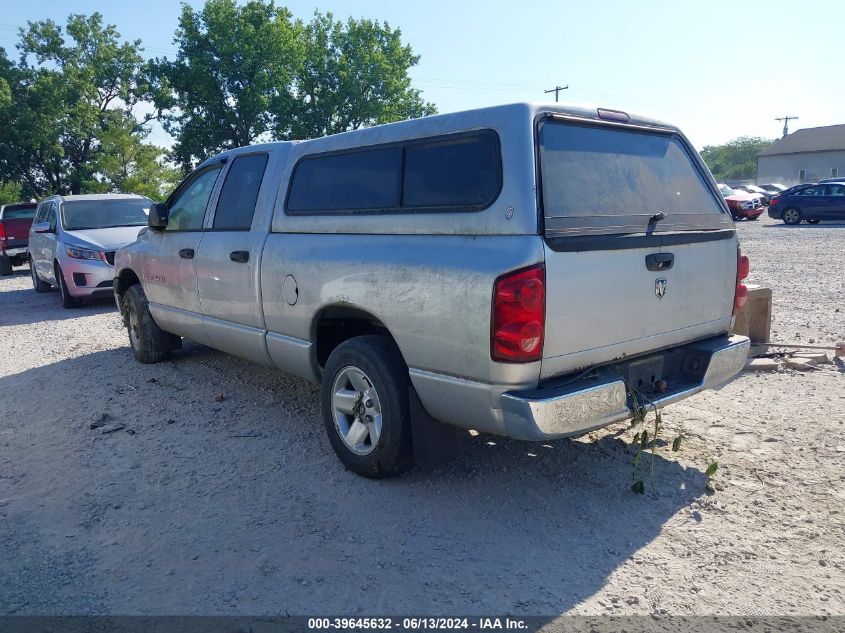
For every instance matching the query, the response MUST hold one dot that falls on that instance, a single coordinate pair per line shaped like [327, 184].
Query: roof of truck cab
[445, 123]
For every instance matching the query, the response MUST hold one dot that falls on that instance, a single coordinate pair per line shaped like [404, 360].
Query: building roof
[811, 139]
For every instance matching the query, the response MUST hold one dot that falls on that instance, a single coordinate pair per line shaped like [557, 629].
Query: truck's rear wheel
[149, 343]
[5, 265]
[366, 407]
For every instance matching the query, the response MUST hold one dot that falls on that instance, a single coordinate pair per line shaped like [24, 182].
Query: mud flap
[434, 442]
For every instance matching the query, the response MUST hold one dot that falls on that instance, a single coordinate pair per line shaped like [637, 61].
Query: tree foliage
[735, 160]
[245, 73]
[233, 63]
[353, 75]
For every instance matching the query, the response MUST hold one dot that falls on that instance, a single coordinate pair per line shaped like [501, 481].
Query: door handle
[659, 261]
[186, 253]
[241, 257]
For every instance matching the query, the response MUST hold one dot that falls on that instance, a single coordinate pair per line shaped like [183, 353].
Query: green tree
[247, 73]
[126, 164]
[234, 61]
[735, 160]
[79, 75]
[10, 192]
[354, 75]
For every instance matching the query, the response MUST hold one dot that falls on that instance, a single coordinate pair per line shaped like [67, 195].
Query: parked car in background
[810, 203]
[15, 220]
[754, 190]
[73, 240]
[741, 203]
[773, 187]
[414, 271]
[827, 180]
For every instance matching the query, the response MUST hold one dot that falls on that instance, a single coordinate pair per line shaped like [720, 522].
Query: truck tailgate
[16, 232]
[603, 305]
[640, 251]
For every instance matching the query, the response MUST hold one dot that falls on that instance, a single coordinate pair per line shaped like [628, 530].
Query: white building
[805, 155]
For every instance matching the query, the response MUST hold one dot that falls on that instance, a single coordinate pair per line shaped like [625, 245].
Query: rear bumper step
[573, 406]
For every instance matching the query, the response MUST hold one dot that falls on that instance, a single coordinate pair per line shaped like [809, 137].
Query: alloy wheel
[356, 410]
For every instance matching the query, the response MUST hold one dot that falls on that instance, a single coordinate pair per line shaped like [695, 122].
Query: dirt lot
[240, 507]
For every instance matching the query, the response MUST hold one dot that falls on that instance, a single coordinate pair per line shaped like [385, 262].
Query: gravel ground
[200, 506]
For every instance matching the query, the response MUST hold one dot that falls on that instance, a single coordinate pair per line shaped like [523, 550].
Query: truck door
[229, 260]
[170, 276]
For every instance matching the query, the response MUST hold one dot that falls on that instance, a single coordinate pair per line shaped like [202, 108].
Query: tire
[813, 221]
[792, 216]
[754, 219]
[736, 217]
[67, 300]
[371, 371]
[40, 286]
[5, 265]
[149, 343]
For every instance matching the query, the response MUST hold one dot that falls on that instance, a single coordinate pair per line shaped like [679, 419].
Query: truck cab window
[236, 205]
[187, 208]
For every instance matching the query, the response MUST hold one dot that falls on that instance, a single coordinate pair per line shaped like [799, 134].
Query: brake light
[774, 201]
[519, 313]
[2, 232]
[743, 265]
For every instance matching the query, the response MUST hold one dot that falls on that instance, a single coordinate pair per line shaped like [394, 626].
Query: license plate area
[641, 374]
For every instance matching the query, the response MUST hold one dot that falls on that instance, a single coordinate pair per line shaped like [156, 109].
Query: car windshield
[726, 191]
[101, 214]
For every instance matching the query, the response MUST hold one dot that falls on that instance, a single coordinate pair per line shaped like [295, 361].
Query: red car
[742, 204]
[15, 220]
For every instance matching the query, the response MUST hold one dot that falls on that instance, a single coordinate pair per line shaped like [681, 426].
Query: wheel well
[126, 278]
[336, 324]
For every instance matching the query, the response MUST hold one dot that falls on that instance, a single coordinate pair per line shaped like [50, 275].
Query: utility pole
[556, 90]
[786, 119]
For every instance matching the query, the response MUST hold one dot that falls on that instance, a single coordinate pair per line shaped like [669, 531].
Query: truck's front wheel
[366, 407]
[150, 344]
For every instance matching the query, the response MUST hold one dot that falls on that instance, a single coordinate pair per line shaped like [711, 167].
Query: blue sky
[717, 69]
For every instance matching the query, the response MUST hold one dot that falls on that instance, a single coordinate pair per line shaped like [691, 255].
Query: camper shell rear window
[611, 180]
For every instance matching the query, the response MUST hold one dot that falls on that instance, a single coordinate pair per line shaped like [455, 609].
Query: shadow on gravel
[805, 225]
[20, 307]
[200, 505]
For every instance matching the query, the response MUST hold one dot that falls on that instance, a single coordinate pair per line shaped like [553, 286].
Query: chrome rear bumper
[574, 407]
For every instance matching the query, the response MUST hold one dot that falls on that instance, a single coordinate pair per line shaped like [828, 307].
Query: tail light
[743, 265]
[2, 236]
[774, 201]
[519, 314]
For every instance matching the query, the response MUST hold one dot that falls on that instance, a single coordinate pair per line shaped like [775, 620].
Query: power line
[557, 90]
[786, 119]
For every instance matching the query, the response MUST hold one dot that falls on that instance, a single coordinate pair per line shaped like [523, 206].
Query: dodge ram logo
[660, 287]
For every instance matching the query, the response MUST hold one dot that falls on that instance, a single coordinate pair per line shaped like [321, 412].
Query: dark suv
[811, 203]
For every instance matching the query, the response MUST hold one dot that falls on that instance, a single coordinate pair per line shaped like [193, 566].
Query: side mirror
[158, 217]
[42, 227]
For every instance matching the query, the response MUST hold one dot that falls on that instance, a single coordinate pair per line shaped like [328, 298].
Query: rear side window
[463, 172]
[459, 172]
[239, 194]
[608, 180]
[355, 181]
[19, 211]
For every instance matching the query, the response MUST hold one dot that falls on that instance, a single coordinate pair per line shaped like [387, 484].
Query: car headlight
[83, 253]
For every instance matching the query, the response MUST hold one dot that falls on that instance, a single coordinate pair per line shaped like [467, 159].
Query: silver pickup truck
[523, 270]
